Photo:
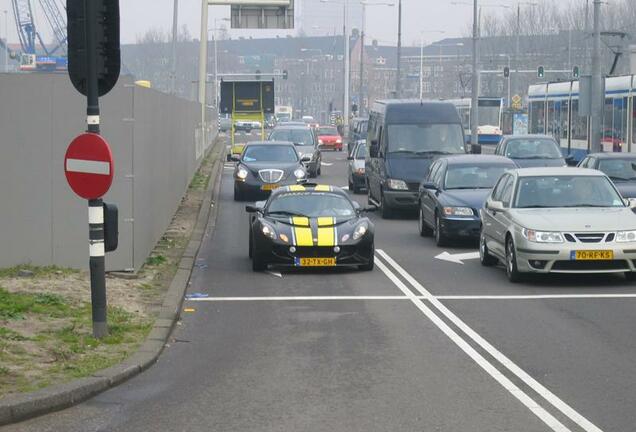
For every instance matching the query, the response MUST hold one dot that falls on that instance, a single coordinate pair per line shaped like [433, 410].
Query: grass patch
[155, 260]
[199, 181]
[16, 306]
[46, 271]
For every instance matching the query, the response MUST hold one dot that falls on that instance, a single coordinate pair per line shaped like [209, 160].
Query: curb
[22, 407]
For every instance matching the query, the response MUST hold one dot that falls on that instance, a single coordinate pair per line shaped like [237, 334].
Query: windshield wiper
[536, 206]
[402, 152]
[469, 187]
[538, 157]
[286, 213]
[585, 205]
[435, 152]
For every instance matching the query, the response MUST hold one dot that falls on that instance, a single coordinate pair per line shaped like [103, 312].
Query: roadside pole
[597, 82]
[474, 111]
[175, 23]
[203, 63]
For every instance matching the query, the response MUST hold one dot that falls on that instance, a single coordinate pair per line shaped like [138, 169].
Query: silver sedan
[558, 220]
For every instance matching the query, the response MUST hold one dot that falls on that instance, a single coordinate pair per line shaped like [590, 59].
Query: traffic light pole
[95, 206]
[597, 83]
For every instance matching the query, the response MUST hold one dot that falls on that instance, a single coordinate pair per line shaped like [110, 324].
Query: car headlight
[360, 230]
[242, 173]
[320, 142]
[542, 236]
[397, 184]
[300, 174]
[626, 236]
[268, 231]
[338, 141]
[458, 211]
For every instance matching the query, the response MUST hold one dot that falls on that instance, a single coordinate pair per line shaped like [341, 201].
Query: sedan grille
[271, 175]
[589, 237]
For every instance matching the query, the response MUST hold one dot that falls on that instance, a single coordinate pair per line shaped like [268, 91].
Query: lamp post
[175, 23]
[216, 61]
[364, 4]
[398, 84]
[203, 65]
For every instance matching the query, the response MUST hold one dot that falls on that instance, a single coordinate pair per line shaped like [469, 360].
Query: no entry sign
[88, 166]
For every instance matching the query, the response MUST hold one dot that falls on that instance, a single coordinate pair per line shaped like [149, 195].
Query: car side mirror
[305, 159]
[475, 148]
[252, 209]
[373, 149]
[570, 161]
[235, 157]
[494, 205]
[430, 186]
[630, 202]
[350, 158]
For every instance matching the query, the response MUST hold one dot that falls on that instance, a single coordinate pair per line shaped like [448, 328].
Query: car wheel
[356, 189]
[485, 258]
[251, 246]
[630, 276]
[370, 265]
[258, 263]
[238, 196]
[511, 262]
[440, 238]
[425, 231]
[387, 212]
[319, 167]
[351, 186]
[228, 157]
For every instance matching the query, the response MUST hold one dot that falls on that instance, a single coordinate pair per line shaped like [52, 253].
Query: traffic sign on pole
[88, 166]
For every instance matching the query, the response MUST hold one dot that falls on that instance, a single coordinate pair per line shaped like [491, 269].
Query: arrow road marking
[88, 166]
[457, 258]
[325, 163]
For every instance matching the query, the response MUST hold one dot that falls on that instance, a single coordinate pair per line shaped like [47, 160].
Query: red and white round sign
[88, 166]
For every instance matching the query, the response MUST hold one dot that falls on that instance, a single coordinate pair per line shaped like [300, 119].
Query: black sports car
[310, 226]
[265, 166]
[454, 190]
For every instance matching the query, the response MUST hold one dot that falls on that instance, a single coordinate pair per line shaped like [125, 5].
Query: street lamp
[364, 4]
[422, 58]
[216, 61]
[347, 66]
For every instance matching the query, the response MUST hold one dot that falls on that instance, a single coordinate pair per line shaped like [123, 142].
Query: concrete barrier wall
[153, 138]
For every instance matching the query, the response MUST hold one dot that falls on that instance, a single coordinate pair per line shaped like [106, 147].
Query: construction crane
[54, 58]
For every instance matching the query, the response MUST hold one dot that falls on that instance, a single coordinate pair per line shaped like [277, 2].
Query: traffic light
[285, 74]
[506, 72]
[540, 72]
[575, 71]
[105, 26]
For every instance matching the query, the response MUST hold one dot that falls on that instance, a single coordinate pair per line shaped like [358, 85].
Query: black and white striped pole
[94, 65]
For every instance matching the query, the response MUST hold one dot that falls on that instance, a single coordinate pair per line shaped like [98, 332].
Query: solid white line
[584, 423]
[296, 298]
[88, 166]
[534, 297]
[545, 416]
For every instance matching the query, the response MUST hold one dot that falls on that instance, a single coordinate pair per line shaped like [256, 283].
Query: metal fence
[156, 150]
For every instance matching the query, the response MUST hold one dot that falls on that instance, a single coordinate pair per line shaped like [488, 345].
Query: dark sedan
[265, 166]
[619, 167]
[454, 190]
[529, 151]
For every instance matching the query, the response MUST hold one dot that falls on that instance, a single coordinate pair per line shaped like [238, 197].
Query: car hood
[302, 231]
[534, 163]
[473, 198]
[576, 219]
[627, 189]
[411, 170]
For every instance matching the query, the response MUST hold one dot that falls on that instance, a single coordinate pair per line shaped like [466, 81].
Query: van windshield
[425, 139]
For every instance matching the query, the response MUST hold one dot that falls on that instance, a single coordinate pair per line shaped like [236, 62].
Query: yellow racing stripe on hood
[302, 231]
[322, 188]
[297, 188]
[326, 231]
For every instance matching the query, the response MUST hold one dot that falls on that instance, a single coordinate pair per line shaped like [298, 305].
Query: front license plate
[315, 262]
[269, 186]
[596, 255]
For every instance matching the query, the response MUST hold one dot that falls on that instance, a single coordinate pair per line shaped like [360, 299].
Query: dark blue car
[452, 193]
[619, 167]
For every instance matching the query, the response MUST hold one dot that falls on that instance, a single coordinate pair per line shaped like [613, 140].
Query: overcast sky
[140, 15]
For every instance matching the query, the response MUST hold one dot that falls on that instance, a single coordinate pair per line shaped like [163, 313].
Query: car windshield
[361, 152]
[619, 169]
[298, 136]
[327, 131]
[532, 148]
[425, 138]
[311, 204]
[270, 153]
[473, 177]
[566, 191]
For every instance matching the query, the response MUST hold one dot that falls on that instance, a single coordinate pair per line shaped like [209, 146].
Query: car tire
[351, 186]
[630, 276]
[424, 230]
[318, 168]
[485, 258]
[513, 273]
[251, 246]
[356, 189]
[258, 263]
[371, 264]
[386, 211]
[228, 157]
[440, 238]
[238, 196]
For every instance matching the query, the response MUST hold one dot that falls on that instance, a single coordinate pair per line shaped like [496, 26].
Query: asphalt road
[419, 344]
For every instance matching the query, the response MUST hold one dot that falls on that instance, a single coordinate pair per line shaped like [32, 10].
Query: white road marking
[533, 406]
[325, 163]
[277, 274]
[296, 298]
[457, 258]
[535, 297]
[573, 415]
[88, 166]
